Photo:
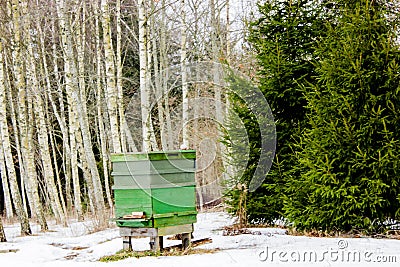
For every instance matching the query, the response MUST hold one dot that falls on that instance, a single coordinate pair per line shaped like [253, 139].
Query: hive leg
[127, 243]
[155, 243]
[186, 239]
[161, 242]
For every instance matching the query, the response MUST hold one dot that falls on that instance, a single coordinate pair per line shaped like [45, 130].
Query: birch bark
[2, 234]
[5, 140]
[25, 129]
[43, 142]
[6, 188]
[17, 143]
[215, 56]
[101, 113]
[151, 133]
[144, 87]
[228, 32]
[157, 71]
[75, 103]
[42, 131]
[3, 169]
[84, 125]
[70, 165]
[120, 99]
[185, 89]
[112, 92]
[61, 122]
[168, 134]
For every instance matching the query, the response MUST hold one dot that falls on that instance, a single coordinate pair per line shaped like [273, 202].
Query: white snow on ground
[78, 246]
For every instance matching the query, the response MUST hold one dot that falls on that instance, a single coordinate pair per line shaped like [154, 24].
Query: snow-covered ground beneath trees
[78, 246]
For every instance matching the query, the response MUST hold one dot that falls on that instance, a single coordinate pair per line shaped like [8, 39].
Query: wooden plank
[177, 229]
[135, 215]
[152, 232]
[127, 231]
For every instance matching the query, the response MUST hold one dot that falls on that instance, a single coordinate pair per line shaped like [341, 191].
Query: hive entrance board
[135, 215]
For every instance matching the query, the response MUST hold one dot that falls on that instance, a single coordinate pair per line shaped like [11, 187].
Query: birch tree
[2, 234]
[44, 149]
[100, 111]
[87, 153]
[215, 55]
[164, 64]
[76, 106]
[6, 188]
[228, 29]
[50, 128]
[42, 130]
[69, 153]
[12, 115]
[25, 130]
[112, 91]
[5, 140]
[150, 17]
[185, 89]
[124, 132]
[143, 77]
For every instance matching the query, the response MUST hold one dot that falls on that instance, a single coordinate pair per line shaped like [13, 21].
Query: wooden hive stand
[156, 235]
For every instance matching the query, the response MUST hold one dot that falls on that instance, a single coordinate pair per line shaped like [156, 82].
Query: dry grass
[123, 254]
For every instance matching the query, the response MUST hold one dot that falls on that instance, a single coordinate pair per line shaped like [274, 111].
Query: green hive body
[159, 184]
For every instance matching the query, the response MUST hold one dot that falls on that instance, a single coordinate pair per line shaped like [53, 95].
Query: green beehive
[160, 185]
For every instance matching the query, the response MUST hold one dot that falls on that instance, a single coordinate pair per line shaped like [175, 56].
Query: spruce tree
[349, 154]
[283, 39]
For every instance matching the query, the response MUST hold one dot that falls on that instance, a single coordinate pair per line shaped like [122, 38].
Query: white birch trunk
[168, 134]
[25, 132]
[68, 168]
[112, 91]
[72, 88]
[17, 145]
[100, 114]
[103, 146]
[120, 99]
[6, 188]
[2, 234]
[13, 12]
[3, 168]
[153, 142]
[74, 163]
[29, 153]
[43, 139]
[144, 87]
[86, 174]
[5, 140]
[157, 72]
[185, 89]
[215, 56]
[56, 170]
[60, 120]
[44, 149]
[84, 126]
[228, 32]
